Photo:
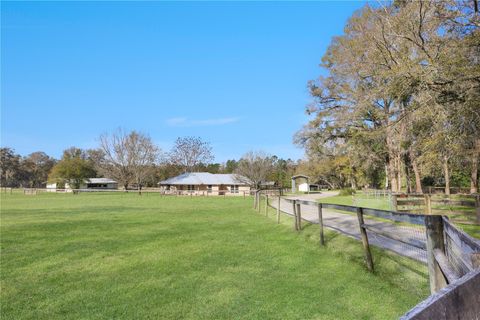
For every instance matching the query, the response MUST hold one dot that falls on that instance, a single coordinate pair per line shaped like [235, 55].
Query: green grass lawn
[124, 256]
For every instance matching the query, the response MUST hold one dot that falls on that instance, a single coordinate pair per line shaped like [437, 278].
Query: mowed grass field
[124, 256]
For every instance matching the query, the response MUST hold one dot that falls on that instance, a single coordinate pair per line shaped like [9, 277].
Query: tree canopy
[74, 168]
[401, 97]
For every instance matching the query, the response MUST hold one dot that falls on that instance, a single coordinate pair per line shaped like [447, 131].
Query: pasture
[124, 256]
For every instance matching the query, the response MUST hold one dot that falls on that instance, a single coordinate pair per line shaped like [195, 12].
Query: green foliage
[400, 95]
[460, 179]
[73, 169]
[231, 166]
[29, 171]
[347, 192]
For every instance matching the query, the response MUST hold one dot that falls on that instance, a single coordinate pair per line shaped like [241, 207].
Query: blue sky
[234, 74]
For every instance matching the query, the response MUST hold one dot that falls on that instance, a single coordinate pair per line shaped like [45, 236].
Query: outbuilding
[91, 183]
[302, 182]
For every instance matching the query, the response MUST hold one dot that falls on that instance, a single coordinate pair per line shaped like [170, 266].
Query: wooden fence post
[394, 203]
[434, 231]
[259, 201]
[266, 205]
[366, 246]
[299, 216]
[295, 215]
[278, 210]
[320, 223]
[428, 204]
[477, 207]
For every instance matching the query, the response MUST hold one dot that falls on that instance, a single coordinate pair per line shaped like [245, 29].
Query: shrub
[347, 192]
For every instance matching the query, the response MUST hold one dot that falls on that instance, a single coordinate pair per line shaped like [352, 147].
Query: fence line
[437, 204]
[452, 255]
[205, 193]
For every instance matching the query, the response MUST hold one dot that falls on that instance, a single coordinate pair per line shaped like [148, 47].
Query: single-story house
[204, 183]
[91, 183]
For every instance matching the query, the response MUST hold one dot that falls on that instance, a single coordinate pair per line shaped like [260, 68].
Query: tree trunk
[446, 174]
[386, 177]
[391, 149]
[408, 178]
[416, 172]
[474, 168]
[393, 175]
[399, 172]
[353, 183]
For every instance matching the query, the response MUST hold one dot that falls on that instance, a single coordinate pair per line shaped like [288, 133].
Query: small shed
[303, 185]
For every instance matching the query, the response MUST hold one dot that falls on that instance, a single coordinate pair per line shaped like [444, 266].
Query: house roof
[100, 180]
[206, 178]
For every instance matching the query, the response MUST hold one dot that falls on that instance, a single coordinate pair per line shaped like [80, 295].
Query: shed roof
[206, 178]
[300, 176]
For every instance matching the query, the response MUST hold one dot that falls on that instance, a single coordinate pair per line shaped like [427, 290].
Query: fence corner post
[320, 222]
[435, 240]
[364, 236]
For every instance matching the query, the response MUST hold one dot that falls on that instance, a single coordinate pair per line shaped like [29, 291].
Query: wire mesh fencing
[401, 233]
[447, 252]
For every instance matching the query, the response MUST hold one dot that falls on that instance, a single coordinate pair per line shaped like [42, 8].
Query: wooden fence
[452, 255]
[459, 300]
[191, 193]
[376, 193]
[441, 190]
[437, 204]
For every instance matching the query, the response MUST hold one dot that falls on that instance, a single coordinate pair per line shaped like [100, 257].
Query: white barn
[91, 183]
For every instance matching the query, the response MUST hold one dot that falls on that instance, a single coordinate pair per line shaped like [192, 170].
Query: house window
[96, 186]
[209, 188]
[233, 189]
[190, 187]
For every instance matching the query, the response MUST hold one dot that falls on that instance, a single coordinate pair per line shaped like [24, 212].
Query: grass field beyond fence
[457, 215]
[99, 256]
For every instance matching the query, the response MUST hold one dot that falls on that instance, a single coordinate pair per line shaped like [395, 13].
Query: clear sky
[234, 74]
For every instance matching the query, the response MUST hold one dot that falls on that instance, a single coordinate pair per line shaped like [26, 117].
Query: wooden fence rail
[452, 255]
[437, 204]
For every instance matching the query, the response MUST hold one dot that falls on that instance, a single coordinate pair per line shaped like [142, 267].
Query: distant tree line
[135, 161]
[30, 171]
[399, 107]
